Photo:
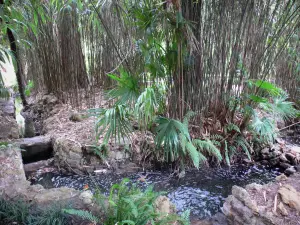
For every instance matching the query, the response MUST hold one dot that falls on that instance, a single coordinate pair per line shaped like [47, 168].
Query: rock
[247, 161]
[281, 177]
[164, 206]
[282, 209]
[280, 141]
[289, 171]
[254, 186]
[283, 158]
[242, 195]
[291, 158]
[31, 167]
[75, 117]
[265, 151]
[86, 197]
[297, 167]
[284, 165]
[118, 155]
[274, 161]
[295, 149]
[236, 211]
[290, 196]
[13, 183]
[67, 145]
[29, 130]
[264, 162]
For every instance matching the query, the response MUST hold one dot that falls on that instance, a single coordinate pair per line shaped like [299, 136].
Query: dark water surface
[203, 191]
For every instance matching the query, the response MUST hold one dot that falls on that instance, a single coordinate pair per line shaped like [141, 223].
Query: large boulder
[68, 153]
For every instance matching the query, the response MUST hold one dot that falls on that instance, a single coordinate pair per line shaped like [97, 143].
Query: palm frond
[114, 122]
[174, 138]
[265, 128]
[127, 90]
[146, 107]
[168, 137]
[283, 108]
[208, 146]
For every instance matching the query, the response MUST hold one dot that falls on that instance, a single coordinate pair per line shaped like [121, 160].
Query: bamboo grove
[218, 58]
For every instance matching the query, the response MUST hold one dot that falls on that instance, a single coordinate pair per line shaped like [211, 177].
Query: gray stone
[291, 158]
[274, 161]
[254, 186]
[265, 151]
[14, 185]
[284, 165]
[290, 196]
[297, 167]
[282, 209]
[31, 167]
[264, 162]
[283, 158]
[241, 194]
[281, 178]
[86, 197]
[295, 149]
[164, 206]
[289, 171]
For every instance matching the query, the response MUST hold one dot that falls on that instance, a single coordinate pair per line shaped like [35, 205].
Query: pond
[202, 191]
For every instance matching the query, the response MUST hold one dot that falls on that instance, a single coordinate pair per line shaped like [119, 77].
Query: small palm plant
[114, 122]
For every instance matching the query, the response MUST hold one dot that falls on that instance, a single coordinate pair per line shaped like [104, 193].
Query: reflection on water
[203, 191]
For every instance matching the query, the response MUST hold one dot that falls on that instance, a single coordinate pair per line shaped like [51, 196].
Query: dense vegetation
[163, 64]
[207, 89]
[209, 80]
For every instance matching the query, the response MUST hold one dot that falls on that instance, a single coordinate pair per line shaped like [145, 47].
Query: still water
[202, 191]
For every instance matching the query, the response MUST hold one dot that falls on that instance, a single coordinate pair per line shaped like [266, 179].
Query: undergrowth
[129, 205]
[248, 120]
[24, 213]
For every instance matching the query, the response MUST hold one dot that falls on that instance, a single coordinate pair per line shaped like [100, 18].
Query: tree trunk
[14, 49]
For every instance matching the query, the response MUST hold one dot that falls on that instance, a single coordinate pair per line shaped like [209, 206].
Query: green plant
[82, 214]
[114, 122]
[283, 109]
[146, 107]
[207, 146]
[128, 205]
[264, 128]
[127, 90]
[52, 215]
[28, 88]
[17, 211]
[173, 137]
[22, 212]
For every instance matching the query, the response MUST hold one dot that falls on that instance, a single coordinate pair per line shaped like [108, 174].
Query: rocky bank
[271, 204]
